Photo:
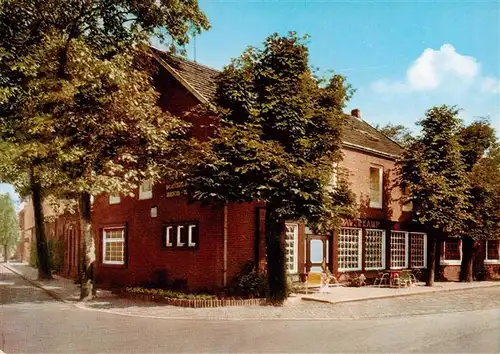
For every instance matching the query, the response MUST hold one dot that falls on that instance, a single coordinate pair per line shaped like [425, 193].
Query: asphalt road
[33, 322]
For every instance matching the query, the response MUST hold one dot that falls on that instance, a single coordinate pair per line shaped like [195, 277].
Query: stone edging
[193, 303]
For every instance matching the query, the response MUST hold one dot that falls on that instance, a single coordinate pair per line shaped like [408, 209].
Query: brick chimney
[356, 113]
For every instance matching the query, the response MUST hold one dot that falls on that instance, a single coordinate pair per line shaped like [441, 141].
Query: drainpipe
[225, 245]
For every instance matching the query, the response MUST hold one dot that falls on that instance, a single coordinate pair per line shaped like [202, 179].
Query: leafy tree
[9, 229]
[483, 166]
[399, 133]
[77, 107]
[432, 169]
[277, 141]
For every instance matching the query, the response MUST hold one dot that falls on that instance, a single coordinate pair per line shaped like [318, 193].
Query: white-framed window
[451, 252]
[146, 190]
[492, 251]
[376, 178]
[375, 249]
[291, 247]
[113, 245]
[399, 249]
[418, 249]
[114, 199]
[349, 249]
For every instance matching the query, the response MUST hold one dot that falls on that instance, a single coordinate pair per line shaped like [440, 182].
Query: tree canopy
[9, 228]
[399, 133]
[278, 138]
[78, 113]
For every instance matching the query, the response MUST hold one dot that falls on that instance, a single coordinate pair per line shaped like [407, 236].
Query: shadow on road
[15, 290]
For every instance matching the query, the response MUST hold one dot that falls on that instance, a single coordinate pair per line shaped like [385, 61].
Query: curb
[35, 283]
[325, 301]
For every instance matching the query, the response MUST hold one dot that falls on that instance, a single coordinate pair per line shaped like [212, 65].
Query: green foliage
[475, 140]
[169, 294]
[399, 133]
[56, 254]
[485, 196]
[432, 170]
[249, 283]
[279, 135]
[9, 228]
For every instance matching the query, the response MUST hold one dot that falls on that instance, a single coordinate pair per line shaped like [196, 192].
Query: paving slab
[351, 294]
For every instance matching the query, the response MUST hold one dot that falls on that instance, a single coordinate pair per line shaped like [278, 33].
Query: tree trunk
[87, 249]
[468, 253]
[432, 260]
[42, 251]
[275, 253]
[5, 249]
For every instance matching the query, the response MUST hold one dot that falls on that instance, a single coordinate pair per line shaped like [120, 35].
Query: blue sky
[402, 57]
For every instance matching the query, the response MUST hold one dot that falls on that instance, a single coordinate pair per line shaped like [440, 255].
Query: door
[317, 251]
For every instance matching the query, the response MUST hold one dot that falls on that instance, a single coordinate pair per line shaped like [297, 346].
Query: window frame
[114, 199]
[379, 204]
[113, 240]
[425, 250]
[492, 261]
[146, 194]
[444, 261]
[407, 249]
[383, 249]
[360, 250]
[295, 268]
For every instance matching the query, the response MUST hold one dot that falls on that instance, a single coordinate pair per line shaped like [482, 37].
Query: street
[33, 322]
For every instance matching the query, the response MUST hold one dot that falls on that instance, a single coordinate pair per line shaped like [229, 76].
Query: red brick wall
[358, 164]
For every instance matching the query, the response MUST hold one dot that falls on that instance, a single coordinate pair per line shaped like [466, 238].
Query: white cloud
[490, 85]
[434, 69]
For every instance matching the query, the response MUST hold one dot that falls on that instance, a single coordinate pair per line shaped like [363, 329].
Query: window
[399, 249]
[114, 199]
[375, 249]
[451, 252]
[376, 176]
[349, 249]
[418, 250]
[114, 246]
[492, 251]
[291, 247]
[146, 190]
[181, 235]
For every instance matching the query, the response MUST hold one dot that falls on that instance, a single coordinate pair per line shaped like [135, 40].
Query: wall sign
[363, 223]
[181, 235]
[174, 189]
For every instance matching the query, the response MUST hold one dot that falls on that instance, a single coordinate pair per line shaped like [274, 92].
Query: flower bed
[173, 298]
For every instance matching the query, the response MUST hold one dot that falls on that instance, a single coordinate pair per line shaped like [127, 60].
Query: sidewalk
[340, 303]
[60, 288]
[350, 294]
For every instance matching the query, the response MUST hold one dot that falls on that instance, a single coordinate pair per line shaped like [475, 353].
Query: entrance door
[317, 250]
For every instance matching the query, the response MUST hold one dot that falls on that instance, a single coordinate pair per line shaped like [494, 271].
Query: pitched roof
[200, 81]
[359, 134]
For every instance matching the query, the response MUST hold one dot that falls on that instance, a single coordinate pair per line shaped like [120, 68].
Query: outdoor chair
[327, 278]
[382, 278]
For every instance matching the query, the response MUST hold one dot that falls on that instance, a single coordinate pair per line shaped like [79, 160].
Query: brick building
[157, 234]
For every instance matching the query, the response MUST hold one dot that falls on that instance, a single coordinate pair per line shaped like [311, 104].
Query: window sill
[145, 197]
[451, 262]
[375, 206]
[492, 261]
[349, 270]
[114, 266]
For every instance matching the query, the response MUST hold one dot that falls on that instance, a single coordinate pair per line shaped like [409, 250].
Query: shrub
[169, 294]
[249, 283]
